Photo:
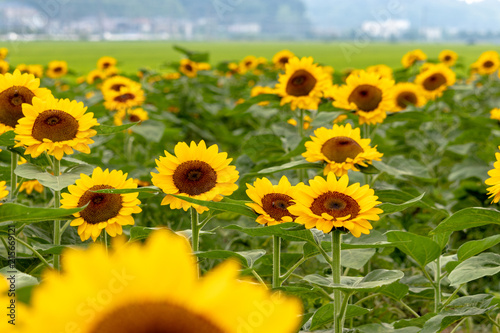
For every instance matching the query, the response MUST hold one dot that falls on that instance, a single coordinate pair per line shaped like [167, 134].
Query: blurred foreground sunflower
[494, 180]
[97, 293]
[495, 114]
[331, 203]
[197, 172]
[109, 211]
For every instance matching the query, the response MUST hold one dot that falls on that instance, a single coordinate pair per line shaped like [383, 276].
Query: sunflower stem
[195, 234]
[437, 287]
[276, 262]
[13, 176]
[57, 223]
[35, 252]
[301, 123]
[336, 272]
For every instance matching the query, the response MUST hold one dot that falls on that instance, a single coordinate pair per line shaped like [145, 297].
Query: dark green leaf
[224, 206]
[57, 183]
[106, 130]
[254, 100]
[468, 218]
[15, 212]
[247, 258]
[420, 248]
[7, 139]
[484, 264]
[471, 248]
[282, 230]
[389, 208]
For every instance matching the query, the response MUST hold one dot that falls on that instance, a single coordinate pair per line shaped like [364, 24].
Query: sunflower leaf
[279, 230]
[106, 130]
[247, 258]
[7, 139]
[145, 189]
[324, 315]
[484, 264]
[11, 212]
[254, 100]
[290, 166]
[348, 284]
[472, 248]
[389, 208]
[422, 249]
[468, 218]
[57, 183]
[239, 208]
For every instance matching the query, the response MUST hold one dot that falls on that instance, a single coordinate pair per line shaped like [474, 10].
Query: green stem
[493, 321]
[437, 287]
[301, 123]
[13, 176]
[65, 226]
[336, 273]
[276, 262]
[343, 310]
[292, 269]
[57, 223]
[407, 307]
[35, 252]
[325, 255]
[458, 325]
[257, 276]
[449, 299]
[195, 233]
[366, 298]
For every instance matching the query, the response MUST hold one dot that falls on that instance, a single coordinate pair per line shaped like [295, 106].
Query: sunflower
[368, 94]
[248, 63]
[115, 83]
[412, 57]
[303, 84]
[487, 63]
[341, 148]
[204, 66]
[407, 93]
[281, 58]
[448, 57]
[171, 76]
[55, 125]
[127, 97]
[95, 75]
[97, 292]
[383, 70]
[260, 90]
[188, 68]
[3, 52]
[30, 185]
[16, 89]
[328, 204]
[4, 66]
[106, 62]
[57, 69]
[494, 114]
[133, 116]
[435, 79]
[108, 211]
[494, 180]
[270, 201]
[195, 171]
[3, 190]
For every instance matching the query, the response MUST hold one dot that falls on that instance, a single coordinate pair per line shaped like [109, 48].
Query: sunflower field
[253, 196]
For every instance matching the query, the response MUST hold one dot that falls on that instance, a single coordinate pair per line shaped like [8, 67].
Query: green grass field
[82, 56]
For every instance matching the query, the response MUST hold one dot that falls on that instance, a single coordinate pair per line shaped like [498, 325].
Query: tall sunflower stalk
[57, 223]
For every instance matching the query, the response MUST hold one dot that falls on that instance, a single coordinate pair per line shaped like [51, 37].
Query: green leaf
[458, 309]
[395, 290]
[484, 264]
[468, 218]
[290, 166]
[356, 258]
[325, 118]
[385, 328]
[150, 130]
[144, 189]
[45, 249]
[348, 284]
[472, 248]
[254, 100]
[373, 240]
[389, 208]
[283, 230]
[106, 130]
[262, 146]
[247, 258]
[224, 206]
[7, 139]
[193, 55]
[57, 183]
[422, 249]
[14, 212]
[324, 315]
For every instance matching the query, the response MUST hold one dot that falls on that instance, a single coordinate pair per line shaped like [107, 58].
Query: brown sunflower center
[339, 148]
[335, 204]
[434, 81]
[188, 67]
[55, 125]
[134, 118]
[301, 83]
[406, 98]
[366, 97]
[488, 64]
[117, 86]
[447, 57]
[11, 100]
[58, 69]
[151, 317]
[276, 205]
[123, 98]
[194, 177]
[106, 65]
[102, 206]
[284, 60]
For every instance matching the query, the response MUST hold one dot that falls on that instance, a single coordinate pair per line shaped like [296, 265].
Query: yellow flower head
[115, 83]
[195, 171]
[4, 66]
[15, 90]
[188, 67]
[95, 75]
[56, 126]
[57, 69]
[30, 185]
[281, 58]
[3, 52]
[412, 57]
[248, 63]
[171, 76]
[303, 84]
[435, 79]
[331, 203]
[260, 90]
[368, 94]
[487, 63]
[108, 211]
[132, 115]
[448, 57]
[97, 292]
[126, 97]
[494, 180]
[341, 148]
[407, 93]
[495, 114]
[270, 201]
[383, 70]
[3, 190]
[106, 62]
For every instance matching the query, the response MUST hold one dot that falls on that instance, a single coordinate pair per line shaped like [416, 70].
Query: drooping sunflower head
[56, 126]
[303, 84]
[15, 90]
[270, 201]
[95, 76]
[281, 58]
[412, 57]
[405, 94]
[3, 190]
[108, 211]
[435, 79]
[195, 171]
[125, 98]
[131, 115]
[495, 114]
[115, 83]
[331, 204]
[341, 148]
[383, 70]
[4, 66]
[448, 57]
[188, 67]
[167, 297]
[57, 69]
[368, 94]
[487, 63]
[106, 62]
